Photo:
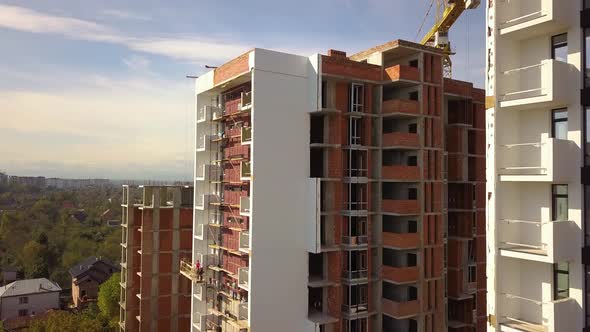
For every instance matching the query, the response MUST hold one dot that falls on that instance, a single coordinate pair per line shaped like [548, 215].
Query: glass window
[559, 206]
[587, 57]
[559, 123]
[357, 97]
[559, 47]
[561, 281]
[23, 300]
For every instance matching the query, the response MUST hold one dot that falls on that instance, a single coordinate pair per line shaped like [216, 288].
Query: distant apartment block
[156, 234]
[33, 181]
[87, 276]
[337, 193]
[537, 182]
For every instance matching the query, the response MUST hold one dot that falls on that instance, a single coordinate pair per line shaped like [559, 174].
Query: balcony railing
[525, 314]
[208, 113]
[400, 275]
[543, 159]
[402, 72]
[359, 240]
[543, 84]
[355, 275]
[353, 309]
[243, 275]
[401, 139]
[546, 241]
[533, 17]
[394, 106]
[401, 206]
[401, 240]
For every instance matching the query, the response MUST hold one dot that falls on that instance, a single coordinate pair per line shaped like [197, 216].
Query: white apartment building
[535, 129]
[24, 298]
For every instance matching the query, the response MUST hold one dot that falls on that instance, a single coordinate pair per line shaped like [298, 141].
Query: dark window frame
[558, 294]
[554, 121]
[555, 45]
[555, 196]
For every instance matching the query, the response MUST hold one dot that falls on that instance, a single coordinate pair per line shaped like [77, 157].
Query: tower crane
[447, 13]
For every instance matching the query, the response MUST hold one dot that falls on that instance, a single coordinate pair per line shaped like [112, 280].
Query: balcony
[400, 173]
[208, 173]
[202, 201]
[204, 142]
[354, 309]
[543, 85]
[538, 162]
[246, 135]
[400, 310]
[401, 140]
[357, 275]
[245, 102]
[355, 241]
[400, 107]
[200, 321]
[208, 113]
[200, 232]
[245, 242]
[548, 242]
[401, 240]
[400, 275]
[243, 281]
[401, 206]
[517, 313]
[245, 206]
[402, 73]
[520, 19]
[245, 170]
[199, 289]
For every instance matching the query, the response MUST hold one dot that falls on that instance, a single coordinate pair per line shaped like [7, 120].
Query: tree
[63, 321]
[108, 297]
[34, 260]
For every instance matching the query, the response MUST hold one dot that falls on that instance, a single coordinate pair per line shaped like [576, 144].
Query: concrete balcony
[355, 241]
[200, 321]
[245, 242]
[402, 73]
[538, 162]
[400, 275]
[243, 275]
[246, 135]
[199, 289]
[401, 206]
[401, 140]
[208, 173]
[200, 232]
[401, 240]
[547, 242]
[245, 206]
[350, 310]
[208, 113]
[523, 314]
[542, 85]
[521, 19]
[207, 142]
[356, 275]
[245, 170]
[400, 173]
[400, 310]
[202, 201]
[400, 107]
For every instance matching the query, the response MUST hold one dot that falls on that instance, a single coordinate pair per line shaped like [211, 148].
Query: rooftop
[29, 286]
[88, 263]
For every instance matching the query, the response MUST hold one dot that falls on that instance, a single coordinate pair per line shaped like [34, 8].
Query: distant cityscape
[62, 183]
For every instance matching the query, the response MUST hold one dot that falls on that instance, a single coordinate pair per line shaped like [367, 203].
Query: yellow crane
[447, 13]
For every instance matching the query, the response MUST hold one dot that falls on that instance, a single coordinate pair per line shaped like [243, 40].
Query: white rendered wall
[282, 193]
[526, 200]
[38, 303]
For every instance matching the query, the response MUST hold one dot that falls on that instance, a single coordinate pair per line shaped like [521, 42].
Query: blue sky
[98, 88]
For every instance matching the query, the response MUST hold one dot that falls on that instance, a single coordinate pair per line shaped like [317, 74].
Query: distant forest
[46, 231]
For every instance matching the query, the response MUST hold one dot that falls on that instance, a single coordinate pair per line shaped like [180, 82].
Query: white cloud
[190, 48]
[125, 15]
[137, 63]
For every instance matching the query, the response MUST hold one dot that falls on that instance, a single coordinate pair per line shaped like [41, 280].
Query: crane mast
[447, 13]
